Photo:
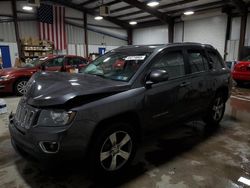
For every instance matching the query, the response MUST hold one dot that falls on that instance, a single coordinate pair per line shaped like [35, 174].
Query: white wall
[247, 41]
[210, 30]
[7, 32]
[178, 32]
[151, 35]
[94, 48]
[28, 29]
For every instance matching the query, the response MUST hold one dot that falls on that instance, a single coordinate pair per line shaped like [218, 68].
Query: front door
[163, 101]
[55, 64]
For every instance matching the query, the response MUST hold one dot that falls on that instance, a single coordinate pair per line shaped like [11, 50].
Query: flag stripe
[64, 35]
[52, 26]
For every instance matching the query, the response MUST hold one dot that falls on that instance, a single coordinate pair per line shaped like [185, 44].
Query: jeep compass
[103, 112]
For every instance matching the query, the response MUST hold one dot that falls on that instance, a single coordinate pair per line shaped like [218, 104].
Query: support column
[243, 26]
[14, 12]
[130, 36]
[171, 32]
[228, 32]
[86, 34]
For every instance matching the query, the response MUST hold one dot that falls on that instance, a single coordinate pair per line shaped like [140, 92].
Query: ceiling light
[29, 8]
[132, 23]
[187, 13]
[98, 18]
[153, 3]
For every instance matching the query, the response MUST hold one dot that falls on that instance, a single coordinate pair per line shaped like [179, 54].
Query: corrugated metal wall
[75, 35]
[7, 32]
[152, 35]
[28, 29]
[100, 39]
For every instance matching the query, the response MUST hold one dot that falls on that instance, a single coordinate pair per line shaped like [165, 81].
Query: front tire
[216, 111]
[20, 87]
[113, 150]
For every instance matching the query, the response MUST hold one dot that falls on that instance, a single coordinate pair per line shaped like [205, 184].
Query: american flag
[52, 26]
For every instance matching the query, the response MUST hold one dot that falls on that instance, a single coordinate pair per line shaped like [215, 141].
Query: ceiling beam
[241, 6]
[140, 18]
[207, 5]
[87, 2]
[145, 8]
[140, 11]
[121, 9]
[108, 4]
[120, 23]
[176, 4]
[197, 7]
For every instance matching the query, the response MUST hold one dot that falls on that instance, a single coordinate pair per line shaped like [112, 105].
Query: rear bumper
[243, 76]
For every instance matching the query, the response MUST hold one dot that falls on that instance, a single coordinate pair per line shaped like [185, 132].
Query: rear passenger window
[75, 61]
[216, 61]
[197, 61]
[173, 63]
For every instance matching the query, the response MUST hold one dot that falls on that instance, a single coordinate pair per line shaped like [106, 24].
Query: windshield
[247, 58]
[120, 66]
[34, 63]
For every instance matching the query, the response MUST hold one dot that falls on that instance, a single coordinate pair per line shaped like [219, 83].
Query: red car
[15, 79]
[241, 72]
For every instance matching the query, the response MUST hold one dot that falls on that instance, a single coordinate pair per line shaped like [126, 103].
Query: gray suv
[104, 111]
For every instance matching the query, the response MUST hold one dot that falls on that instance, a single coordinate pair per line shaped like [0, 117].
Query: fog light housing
[49, 147]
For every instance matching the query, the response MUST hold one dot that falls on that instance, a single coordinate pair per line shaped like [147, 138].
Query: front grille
[25, 115]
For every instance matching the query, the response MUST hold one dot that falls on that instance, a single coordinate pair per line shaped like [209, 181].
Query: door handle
[184, 84]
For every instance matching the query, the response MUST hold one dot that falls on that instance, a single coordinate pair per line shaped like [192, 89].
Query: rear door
[165, 100]
[198, 74]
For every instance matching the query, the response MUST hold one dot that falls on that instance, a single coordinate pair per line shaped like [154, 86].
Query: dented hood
[56, 88]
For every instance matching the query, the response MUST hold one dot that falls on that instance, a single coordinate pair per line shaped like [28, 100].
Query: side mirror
[157, 76]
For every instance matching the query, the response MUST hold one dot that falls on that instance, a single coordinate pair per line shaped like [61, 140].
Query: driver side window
[56, 62]
[172, 62]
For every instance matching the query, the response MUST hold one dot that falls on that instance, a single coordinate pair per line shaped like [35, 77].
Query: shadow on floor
[7, 95]
[156, 150]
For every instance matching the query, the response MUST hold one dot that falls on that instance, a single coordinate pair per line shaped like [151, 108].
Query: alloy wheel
[115, 151]
[21, 87]
[218, 108]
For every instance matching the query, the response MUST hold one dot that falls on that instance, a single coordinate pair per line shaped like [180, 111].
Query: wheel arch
[129, 117]
[225, 92]
[18, 79]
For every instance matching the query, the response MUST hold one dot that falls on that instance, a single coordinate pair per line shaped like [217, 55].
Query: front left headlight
[5, 78]
[55, 117]
[62, 118]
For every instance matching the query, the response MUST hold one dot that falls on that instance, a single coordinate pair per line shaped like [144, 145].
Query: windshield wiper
[100, 75]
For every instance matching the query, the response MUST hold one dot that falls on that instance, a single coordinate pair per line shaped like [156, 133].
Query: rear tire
[112, 150]
[239, 83]
[20, 86]
[215, 112]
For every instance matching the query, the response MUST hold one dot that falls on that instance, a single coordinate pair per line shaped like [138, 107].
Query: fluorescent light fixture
[132, 23]
[187, 13]
[98, 18]
[28, 8]
[244, 180]
[153, 3]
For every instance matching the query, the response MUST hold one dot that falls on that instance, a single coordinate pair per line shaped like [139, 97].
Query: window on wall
[173, 63]
[197, 61]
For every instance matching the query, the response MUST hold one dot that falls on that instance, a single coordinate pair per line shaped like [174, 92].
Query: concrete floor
[183, 157]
